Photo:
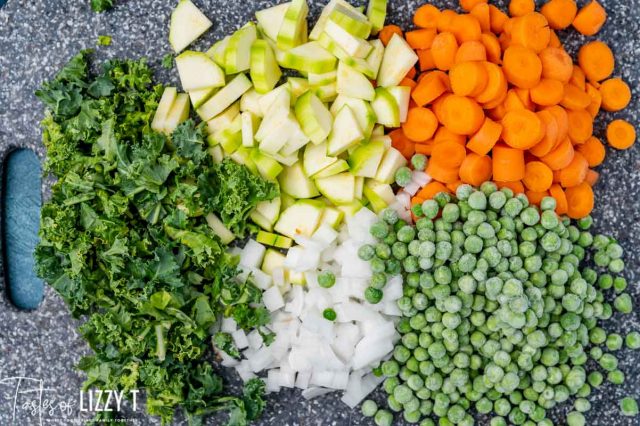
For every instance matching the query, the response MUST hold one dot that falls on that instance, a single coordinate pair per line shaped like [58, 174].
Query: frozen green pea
[619, 284]
[379, 230]
[629, 407]
[614, 251]
[633, 340]
[608, 362]
[403, 176]
[406, 234]
[497, 200]
[416, 209]
[450, 213]
[366, 252]
[390, 216]
[548, 203]
[326, 279]
[419, 162]
[530, 216]
[478, 200]
[369, 408]
[614, 342]
[464, 191]
[329, 314]
[430, 209]
[616, 377]
[616, 266]
[373, 295]
[623, 303]
[383, 418]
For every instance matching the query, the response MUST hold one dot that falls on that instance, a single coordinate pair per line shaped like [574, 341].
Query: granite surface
[38, 36]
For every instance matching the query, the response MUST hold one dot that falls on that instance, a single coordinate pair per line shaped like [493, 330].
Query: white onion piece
[252, 254]
[421, 178]
[315, 392]
[412, 188]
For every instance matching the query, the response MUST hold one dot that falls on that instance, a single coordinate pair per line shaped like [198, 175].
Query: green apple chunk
[318, 28]
[352, 45]
[270, 209]
[292, 31]
[340, 188]
[370, 65]
[294, 182]
[223, 120]
[265, 71]
[261, 221]
[295, 140]
[216, 153]
[242, 155]
[350, 209]
[366, 159]
[198, 71]
[402, 95]
[178, 113]
[315, 159]
[237, 55]
[274, 240]
[327, 92]
[225, 97]
[354, 84]
[386, 108]
[298, 86]
[302, 218]
[351, 20]
[226, 236]
[346, 132]
[377, 13]
[187, 24]
[363, 111]
[250, 102]
[379, 194]
[270, 20]
[250, 124]
[391, 162]
[272, 260]
[314, 117]
[357, 193]
[310, 57]
[268, 168]
[337, 167]
[398, 59]
[217, 51]
[332, 217]
[164, 106]
[200, 96]
[324, 78]
[286, 201]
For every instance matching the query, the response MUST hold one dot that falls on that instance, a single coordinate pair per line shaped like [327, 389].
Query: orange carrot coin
[485, 138]
[596, 60]
[537, 176]
[556, 64]
[579, 200]
[522, 129]
[522, 67]
[593, 151]
[508, 163]
[621, 134]
[590, 18]
[559, 13]
[615, 93]
[420, 125]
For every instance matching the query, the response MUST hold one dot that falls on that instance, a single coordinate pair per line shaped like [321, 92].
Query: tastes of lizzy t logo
[30, 401]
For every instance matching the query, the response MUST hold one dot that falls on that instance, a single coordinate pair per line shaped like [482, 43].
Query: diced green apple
[187, 24]
[200, 96]
[315, 159]
[288, 161]
[223, 120]
[366, 159]
[386, 108]
[359, 188]
[332, 217]
[298, 87]
[402, 95]
[225, 97]
[295, 140]
[164, 107]
[270, 209]
[352, 45]
[275, 129]
[371, 64]
[379, 194]
[345, 133]
[272, 260]
[270, 20]
[337, 167]
[377, 13]
[391, 162]
[302, 218]
[398, 59]
[350, 209]
[265, 71]
[198, 71]
[318, 28]
[268, 168]
[237, 55]
[294, 182]
[365, 115]
[351, 21]
[274, 240]
[242, 155]
[354, 84]
[314, 117]
[178, 113]
[217, 51]
[340, 188]
[261, 221]
[250, 102]
[293, 30]
[225, 235]
[216, 153]
[327, 92]
[250, 125]
[309, 57]
[378, 130]
[324, 78]
[279, 98]
[331, 46]
[230, 140]
[286, 201]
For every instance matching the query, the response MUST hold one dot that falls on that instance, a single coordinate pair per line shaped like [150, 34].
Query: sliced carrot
[551, 132]
[462, 115]
[522, 67]
[525, 98]
[417, 200]
[593, 151]
[387, 32]
[531, 31]
[536, 197]
[512, 102]
[554, 40]
[556, 64]
[578, 78]
[485, 138]
[411, 73]
[537, 176]
[448, 154]
[471, 51]
[580, 125]
[420, 125]
[547, 92]
[437, 107]
[497, 113]
[466, 28]
[443, 50]
[475, 169]
[432, 189]
[596, 99]
[481, 12]
[492, 47]
[575, 173]
[615, 93]
[557, 192]
[522, 129]
[496, 85]
[443, 135]
[424, 148]
[621, 134]
[590, 19]
[516, 186]
[508, 163]
[559, 13]
[560, 114]
[498, 19]
[575, 98]
[422, 38]
[453, 186]
[444, 20]
[560, 157]
[596, 60]
[521, 7]
[441, 173]
[425, 60]
[430, 87]
[402, 143]
[408, 83]
[592, 177]
[579, 200]
[468, 78]
[426, 16]
[468, 5]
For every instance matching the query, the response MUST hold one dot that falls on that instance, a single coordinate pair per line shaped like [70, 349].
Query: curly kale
[100, 6]
[125, 242]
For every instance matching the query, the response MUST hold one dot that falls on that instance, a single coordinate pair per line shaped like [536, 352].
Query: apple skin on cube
[164, 106]
[346, 132]
[178, 113]
[187, 24]
[366, 159]
[339, 188]
[364, 113]
[200, 96]
[237, 55]
[354, 84]
[391, 162]
[265, 71]
[309, 57]
[337, 167]
[353, 46]
[294, 182]
[402, 95]
[398, 59]
[386, 108]
[198, 71]
[302, 218]
[225, 97]
[226, 236]
[293, 30]
[332, 217]
[314, 117]
[270, 20]
[268, 168]
[315, 159]
[379, 194]
[351, 20]
[216, 52]
[370, 65]
[377, 13]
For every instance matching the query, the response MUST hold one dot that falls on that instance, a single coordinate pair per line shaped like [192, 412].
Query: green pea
[369, 408]
[430, 208]
[373, 295]
[379, 230]
[629, 407]
[623, 303]
[633, 340]
[477, 200]
[326, 279]
[403, 176]
[383, 418]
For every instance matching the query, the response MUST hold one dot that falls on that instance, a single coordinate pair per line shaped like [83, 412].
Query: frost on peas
[477, 200]
[419, 162]
[390, 216]
[403, 176]
[430, 208]
[463, 191]
[379, 230]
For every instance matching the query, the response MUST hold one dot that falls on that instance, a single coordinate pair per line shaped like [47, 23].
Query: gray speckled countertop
[38, 36]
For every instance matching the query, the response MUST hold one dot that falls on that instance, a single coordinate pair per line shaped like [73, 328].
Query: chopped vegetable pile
[124, 240]
[500, 311]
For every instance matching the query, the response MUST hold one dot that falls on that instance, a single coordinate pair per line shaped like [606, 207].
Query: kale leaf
[100, 6]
